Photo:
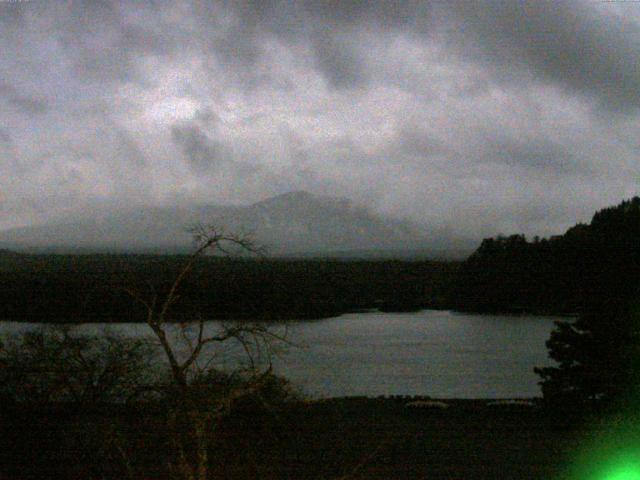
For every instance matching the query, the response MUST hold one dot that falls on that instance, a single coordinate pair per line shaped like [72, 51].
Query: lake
[437, 353]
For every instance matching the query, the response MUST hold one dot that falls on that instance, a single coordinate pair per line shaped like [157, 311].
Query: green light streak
[624, 471]
[609, 450]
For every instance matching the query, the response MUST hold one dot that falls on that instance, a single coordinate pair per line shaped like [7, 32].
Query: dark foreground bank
[340, 438]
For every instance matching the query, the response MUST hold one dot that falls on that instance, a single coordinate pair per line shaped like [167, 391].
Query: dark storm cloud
[337, 28]
[481, 116]
[126, 147]
[5, 137]
[575, 45]
[572, 44]
[102, 40]
[24, 103]
[583, 48]
[105, 44]
[416, 141]
[339, 64]
[207, 157]
[540, 155]
[202, 153]
[292, 20]
[330, 29]
[391, 14]
[12, 13]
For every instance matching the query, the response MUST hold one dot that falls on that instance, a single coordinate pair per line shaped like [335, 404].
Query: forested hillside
[563, 274]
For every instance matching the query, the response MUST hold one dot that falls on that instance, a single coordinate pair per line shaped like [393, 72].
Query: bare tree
[54, 364]
[202, 395]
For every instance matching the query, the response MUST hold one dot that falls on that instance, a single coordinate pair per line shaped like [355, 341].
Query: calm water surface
[436, 353]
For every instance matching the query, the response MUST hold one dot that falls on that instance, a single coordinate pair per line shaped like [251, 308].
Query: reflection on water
[436, 353]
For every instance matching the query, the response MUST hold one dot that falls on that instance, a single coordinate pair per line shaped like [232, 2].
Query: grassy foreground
[339, 438]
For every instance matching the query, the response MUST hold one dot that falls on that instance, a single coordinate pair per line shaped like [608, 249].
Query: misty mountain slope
[296, 223]
[140, 229]
[301, 222]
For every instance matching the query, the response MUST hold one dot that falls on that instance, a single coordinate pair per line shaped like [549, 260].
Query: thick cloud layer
[481, 117]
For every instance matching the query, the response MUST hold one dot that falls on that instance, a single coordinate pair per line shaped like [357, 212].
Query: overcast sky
[494, 117]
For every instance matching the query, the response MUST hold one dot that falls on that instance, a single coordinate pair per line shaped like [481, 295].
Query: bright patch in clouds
[169, 110]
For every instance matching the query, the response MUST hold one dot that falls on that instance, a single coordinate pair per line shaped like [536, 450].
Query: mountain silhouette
[292, 224]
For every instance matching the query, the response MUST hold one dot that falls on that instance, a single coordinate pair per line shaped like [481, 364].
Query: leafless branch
[255, 340]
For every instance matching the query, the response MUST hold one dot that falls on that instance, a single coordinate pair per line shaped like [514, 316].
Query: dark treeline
[564, 274]
[560, 275]
[593, 271]
[99, 288]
